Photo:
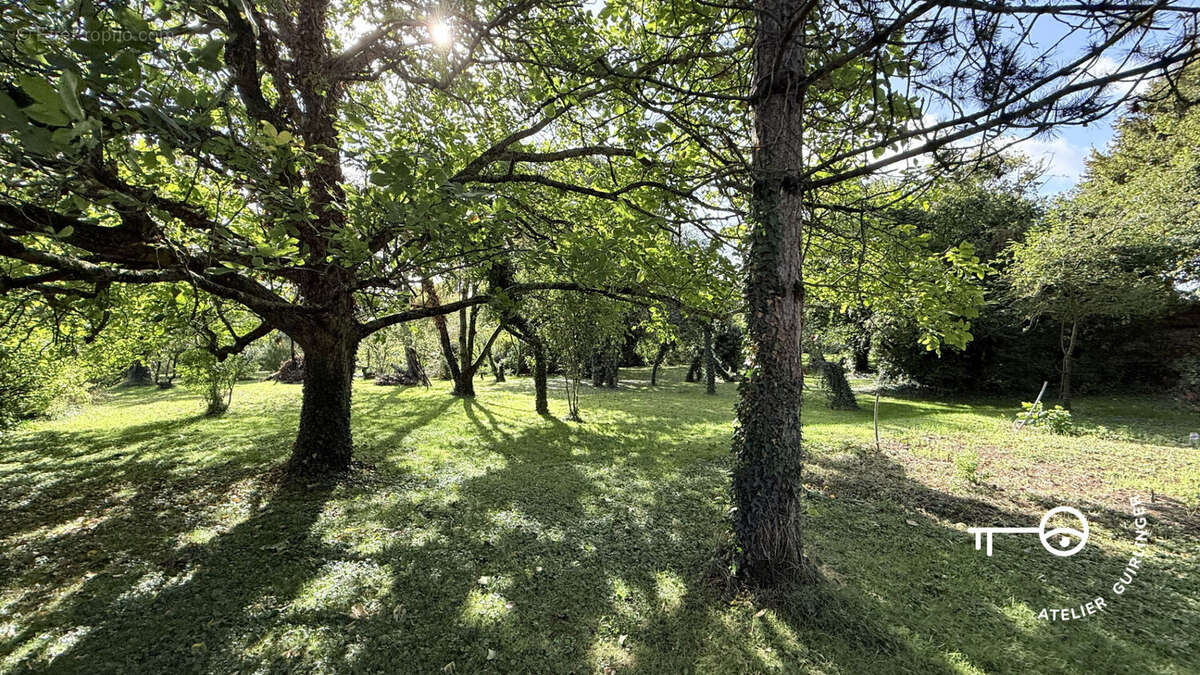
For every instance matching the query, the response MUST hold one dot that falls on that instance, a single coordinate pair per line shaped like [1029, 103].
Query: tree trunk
[413, 370]
[710, 362]
[839, 395]
[597, 368]
[663, 349]
[541, 397]
[767, 439]
[464, 383]
[862, 359]
[497, 368]
[324, 443]
[1068, 358]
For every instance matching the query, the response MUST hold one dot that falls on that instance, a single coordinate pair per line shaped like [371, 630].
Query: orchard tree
[277, 156]
[576, 329]
[1074, 273]
[1125, 244]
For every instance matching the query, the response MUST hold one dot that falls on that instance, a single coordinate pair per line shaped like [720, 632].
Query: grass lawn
[139, 536]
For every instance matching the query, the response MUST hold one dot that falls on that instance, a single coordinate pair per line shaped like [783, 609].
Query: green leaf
[10, 112]
[68, 92]
[209, 56]
[54, 117]
[39, 90]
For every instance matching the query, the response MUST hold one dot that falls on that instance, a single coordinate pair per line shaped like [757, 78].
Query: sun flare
[441, 34]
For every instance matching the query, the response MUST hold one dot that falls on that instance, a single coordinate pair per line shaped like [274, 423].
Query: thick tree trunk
[767, 440]
[663, 349]
[710, 361]
[1068, 358]
[597, 368]
[413, 369]
[324, 442]
[464, 382]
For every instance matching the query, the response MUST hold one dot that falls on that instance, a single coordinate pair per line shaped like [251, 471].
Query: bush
[1188, 387]
[966, 468]
[35, 385]
[213, 379]
[1055, 420]
[1007, 357]
[268, 353]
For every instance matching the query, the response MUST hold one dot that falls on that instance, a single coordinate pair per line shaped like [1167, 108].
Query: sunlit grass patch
[140, 536]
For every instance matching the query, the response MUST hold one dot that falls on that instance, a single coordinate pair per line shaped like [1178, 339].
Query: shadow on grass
[905, 545]
[497, 540]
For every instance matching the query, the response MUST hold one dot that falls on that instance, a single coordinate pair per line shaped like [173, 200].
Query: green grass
[138, 536]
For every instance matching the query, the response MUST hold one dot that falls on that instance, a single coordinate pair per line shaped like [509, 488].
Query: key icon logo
[1059, 541]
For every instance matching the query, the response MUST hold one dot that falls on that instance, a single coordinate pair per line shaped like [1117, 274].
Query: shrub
[966, 468]
[213, 379]
[1055, 420]
[1188, 387]
[34, 384]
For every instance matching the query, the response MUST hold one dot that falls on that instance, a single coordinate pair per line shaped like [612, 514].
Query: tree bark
[710, 362]
[767, 439]
[663, 349]
[324, 442]
[464, 383]
[862, 359]
[541, 395]
[1068, 359]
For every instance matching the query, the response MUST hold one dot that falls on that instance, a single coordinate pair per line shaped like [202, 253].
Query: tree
[988, 205]
[839, 92]
[462, 362]
[1124, 244]
[213, 378]
[576, 329]
[264, 154]
[1073, 274]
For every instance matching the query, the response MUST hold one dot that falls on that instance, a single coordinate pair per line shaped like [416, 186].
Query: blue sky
[1066, 150]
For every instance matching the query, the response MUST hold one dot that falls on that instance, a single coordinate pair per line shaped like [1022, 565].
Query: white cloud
[1063, 160]
[1104, 66]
